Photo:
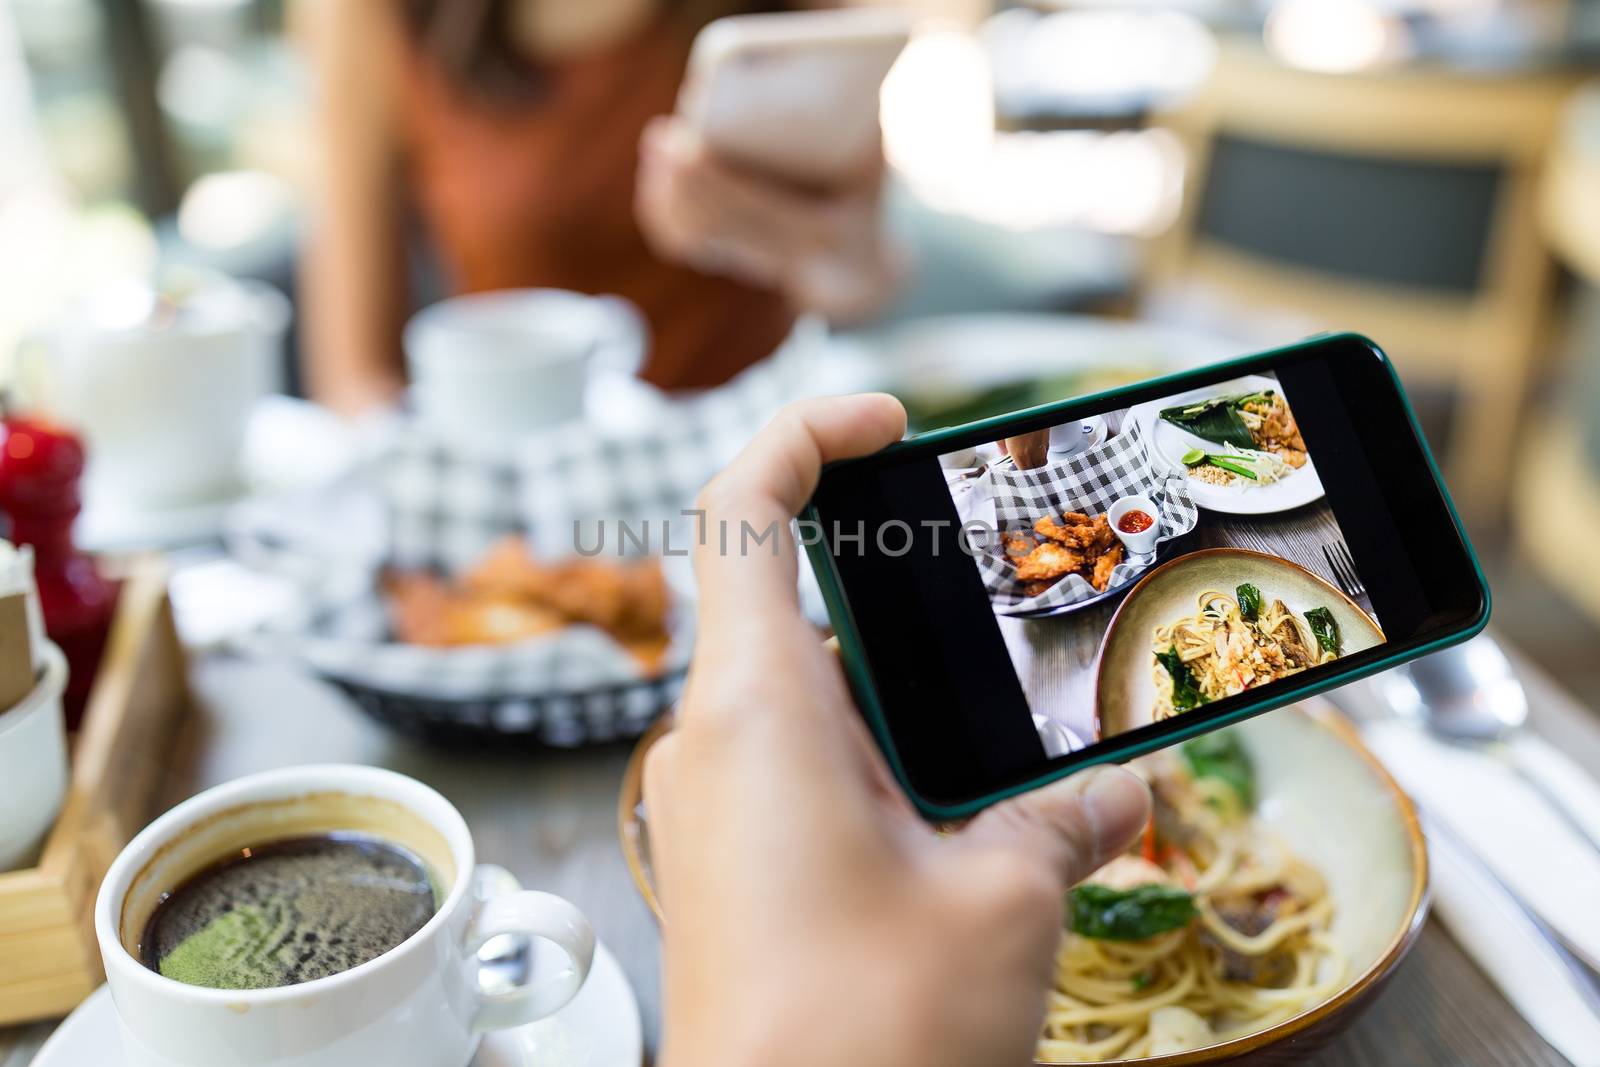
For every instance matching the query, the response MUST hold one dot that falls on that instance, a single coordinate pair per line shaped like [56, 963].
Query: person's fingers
[744, 558]
[684, 222]
[1077, 824]
[732, 219]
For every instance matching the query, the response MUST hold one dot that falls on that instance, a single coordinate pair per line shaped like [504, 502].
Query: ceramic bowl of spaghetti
[1262, 909]
[1212, 624]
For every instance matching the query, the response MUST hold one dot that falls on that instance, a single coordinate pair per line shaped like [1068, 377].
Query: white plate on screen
[1167, 444]
[599, 1028]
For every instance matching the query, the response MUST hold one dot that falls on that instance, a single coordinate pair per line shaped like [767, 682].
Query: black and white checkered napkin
[1090, 482]
[575, 487]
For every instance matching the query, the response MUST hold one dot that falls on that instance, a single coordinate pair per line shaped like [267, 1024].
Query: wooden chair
[1399, 203]
[1558, 472]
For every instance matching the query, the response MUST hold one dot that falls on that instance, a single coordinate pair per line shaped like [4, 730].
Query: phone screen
[1029, 591]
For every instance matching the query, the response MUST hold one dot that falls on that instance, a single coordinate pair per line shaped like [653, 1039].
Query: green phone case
[1114, 751]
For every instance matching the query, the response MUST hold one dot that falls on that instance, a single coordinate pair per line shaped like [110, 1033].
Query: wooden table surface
[551, 818]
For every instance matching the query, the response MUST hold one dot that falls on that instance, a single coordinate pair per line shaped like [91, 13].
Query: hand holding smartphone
[1184, 553]
[794, 94]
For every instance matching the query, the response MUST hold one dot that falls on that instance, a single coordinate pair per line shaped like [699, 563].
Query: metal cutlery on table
[1344, 570]
[1469, 695]
[1451, 698]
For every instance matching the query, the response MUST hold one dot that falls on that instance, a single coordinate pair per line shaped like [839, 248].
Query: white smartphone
[795, 92]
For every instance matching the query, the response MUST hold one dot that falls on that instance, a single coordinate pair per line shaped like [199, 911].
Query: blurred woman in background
[533, 141]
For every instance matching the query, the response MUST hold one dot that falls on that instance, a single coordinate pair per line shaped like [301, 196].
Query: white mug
[163, 399]
[421, 1004]
[489, 368]
[33, 761]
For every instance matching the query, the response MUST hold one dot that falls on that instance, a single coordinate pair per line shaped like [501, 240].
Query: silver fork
[1344, 569]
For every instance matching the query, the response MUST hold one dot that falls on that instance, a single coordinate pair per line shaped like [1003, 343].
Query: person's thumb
[1077, 824]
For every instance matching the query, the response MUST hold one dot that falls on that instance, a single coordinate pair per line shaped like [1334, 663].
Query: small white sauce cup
[1144, 541]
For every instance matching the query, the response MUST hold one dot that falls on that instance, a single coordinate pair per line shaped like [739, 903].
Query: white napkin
[1511, 828]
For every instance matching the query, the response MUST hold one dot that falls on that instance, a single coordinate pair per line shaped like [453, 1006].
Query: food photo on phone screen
[1149, 560]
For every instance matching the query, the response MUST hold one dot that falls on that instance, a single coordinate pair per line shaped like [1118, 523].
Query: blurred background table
[550, 817]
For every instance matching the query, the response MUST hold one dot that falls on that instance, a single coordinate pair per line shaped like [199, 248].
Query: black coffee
[288, 912]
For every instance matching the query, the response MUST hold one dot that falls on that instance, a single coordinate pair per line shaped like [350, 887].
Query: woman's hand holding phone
[813, 915]
[825, 249]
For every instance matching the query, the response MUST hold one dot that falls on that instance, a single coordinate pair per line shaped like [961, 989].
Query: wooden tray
[49, 960]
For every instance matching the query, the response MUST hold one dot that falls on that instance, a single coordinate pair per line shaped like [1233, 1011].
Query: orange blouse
[543, 196]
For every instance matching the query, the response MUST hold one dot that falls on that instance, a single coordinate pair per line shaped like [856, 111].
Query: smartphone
[794, 93]
[1090, 580]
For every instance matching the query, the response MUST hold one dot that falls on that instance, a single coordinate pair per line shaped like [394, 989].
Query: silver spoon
[1469, 695]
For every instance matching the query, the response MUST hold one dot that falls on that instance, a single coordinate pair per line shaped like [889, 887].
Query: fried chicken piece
[1047, 527]
[1035, 588]
[624, 599]
[1049, 560]
[426, 610]
[1019, 546]
[1103, 537]
[649, 600]
[1102, 567]
[649, 651]
[495, 621]
[1064, 530]
[417, 604]
[1079, 535]
[509, 570]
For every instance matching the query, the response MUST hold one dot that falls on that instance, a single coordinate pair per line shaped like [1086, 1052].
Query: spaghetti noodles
[1230, 644]
[1253, 951]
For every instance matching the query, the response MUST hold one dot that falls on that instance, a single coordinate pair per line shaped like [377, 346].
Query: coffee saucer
[599, 1028]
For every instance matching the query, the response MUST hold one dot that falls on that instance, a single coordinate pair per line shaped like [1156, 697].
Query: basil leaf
[1222, 756]
[1186, 694]
[1325, 628]
[1249, 602]
[1129, 914]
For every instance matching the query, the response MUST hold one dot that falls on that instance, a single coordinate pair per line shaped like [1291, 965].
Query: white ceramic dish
[33, 763]
[599, 1028]
[1168, 443]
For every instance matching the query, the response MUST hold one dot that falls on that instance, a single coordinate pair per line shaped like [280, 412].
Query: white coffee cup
[489, 368]
[421, 1004]
[33, 762]
[161, 390]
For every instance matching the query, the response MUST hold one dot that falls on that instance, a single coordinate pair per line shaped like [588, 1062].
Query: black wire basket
[554, 720]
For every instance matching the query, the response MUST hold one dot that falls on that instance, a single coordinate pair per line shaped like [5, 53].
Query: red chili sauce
[1135, 521]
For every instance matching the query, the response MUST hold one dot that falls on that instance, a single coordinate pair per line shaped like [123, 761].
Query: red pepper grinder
[40, 466]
